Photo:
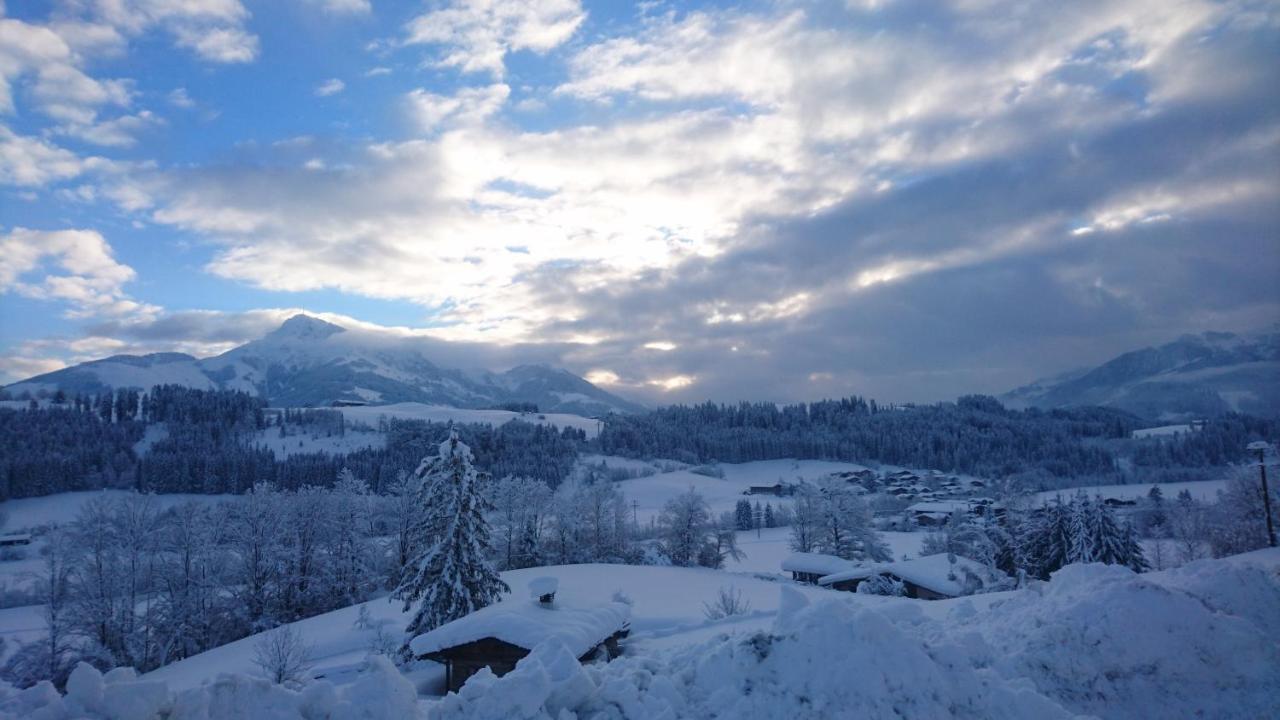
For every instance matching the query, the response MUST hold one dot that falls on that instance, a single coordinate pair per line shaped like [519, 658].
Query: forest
[200, 441]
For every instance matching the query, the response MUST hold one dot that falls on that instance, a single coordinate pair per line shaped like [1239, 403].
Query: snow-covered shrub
[727, 603]
[882, 585]
[282, 655]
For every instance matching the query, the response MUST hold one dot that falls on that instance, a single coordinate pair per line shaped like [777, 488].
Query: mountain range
[1194, 376]
[308, 362]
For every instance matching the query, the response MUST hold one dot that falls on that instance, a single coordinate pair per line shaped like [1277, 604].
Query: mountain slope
[310, 362]
[1194, 376]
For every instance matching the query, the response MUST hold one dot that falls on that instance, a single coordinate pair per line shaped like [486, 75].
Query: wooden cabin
[809, 567]
[15, 539]
[501, 635]
[932, 577]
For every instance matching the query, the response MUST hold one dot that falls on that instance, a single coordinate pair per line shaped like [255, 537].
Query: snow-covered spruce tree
[1082, 520]
[449, 575]
[743, 516]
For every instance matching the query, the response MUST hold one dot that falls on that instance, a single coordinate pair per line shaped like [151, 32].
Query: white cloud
[332, 86]
[219, 44]
[344, 7]
[33, 162]
[91, 283]
[477, 36]
[179, 97]
[469, 106]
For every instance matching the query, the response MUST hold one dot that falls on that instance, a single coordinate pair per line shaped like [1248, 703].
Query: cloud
[470, 106]
[477, 36]
[91, 283]
[33, 162]
[179, 97]
[344, 7]
[332, 86]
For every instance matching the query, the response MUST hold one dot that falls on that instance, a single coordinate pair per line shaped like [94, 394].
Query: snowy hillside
[370, 414]
[1096, 640]
[310, 362]
[1194, 376]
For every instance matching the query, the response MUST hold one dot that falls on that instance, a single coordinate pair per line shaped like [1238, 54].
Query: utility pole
[1261, 448]
[635, 513]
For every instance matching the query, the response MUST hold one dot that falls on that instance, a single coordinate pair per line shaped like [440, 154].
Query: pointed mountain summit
[308, 362]
[304, 327]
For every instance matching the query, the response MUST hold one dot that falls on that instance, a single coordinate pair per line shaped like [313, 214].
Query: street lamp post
[1261, 448]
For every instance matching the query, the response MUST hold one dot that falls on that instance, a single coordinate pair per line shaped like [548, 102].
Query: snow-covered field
[1197, 641]
[1162, 431]
[766, 549]
[25, 513]
[650, 493]
[370, 414]
[1200, 490]
[348, 442]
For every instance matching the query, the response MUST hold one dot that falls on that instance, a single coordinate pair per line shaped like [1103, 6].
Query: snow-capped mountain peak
[310, 362]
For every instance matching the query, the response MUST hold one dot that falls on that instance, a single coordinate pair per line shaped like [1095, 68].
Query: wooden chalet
[809, 567]
[499, 636]
[932, 577]
[15, 539]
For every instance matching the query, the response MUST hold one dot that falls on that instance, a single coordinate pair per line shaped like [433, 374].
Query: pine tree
[450, 574]
[769, 520]
[742, 515]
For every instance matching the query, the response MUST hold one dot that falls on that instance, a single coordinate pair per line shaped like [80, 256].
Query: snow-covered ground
[1200, 490]
[1162, 431]
[369, 414]
[307, 442]
[1099, 640]
[25, 513]
[766, 549]
[650, 493]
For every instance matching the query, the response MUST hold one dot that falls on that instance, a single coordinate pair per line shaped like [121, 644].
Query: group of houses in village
[901, 484]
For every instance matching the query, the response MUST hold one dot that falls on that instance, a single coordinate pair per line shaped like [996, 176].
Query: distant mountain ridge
[310, 362]
[1194, 376]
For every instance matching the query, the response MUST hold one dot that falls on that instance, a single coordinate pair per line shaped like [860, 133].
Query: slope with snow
[371, 414]
[1194, 376]
[1096, 640]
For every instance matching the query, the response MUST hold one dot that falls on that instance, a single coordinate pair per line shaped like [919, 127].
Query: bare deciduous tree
[283, 655]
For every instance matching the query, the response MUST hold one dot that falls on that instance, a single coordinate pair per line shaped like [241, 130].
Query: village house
[15, 539]
[499, 636]
[778, 489]
[933, 577]
[808, 567]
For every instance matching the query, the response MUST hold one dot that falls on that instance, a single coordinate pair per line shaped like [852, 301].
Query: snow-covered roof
[930, 571]
[526, 624]
[814, 563]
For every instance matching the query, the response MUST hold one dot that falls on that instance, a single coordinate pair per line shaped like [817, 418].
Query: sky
[679, 201]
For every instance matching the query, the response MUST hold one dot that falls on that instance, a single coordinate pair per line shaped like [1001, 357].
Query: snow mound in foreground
[1100, 639]
[381, 693]
[832, 659]
[1097, 640]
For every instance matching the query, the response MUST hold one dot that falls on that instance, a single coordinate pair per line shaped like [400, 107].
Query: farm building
[932, 577]
[808, 567]
[499, 636]
[778, 489]
[14, 539]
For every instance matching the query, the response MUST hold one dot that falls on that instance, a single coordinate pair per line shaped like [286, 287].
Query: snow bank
[832, 659]
[1187, 643]
[1096, 640]
[380, 693]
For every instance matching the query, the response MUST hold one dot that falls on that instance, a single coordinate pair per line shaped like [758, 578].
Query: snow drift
[1097, 640]
[381, 693]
